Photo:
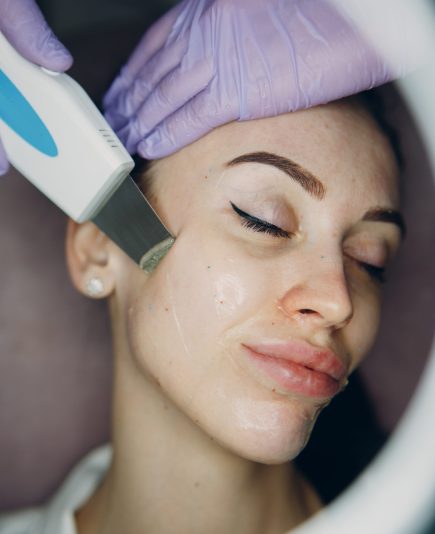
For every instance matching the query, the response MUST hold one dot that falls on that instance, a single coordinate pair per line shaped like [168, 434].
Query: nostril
[306, 311]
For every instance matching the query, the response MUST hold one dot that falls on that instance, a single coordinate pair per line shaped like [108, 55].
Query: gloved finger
[151, 42]
[26, 29]
[195, 119]
[152, 73]
[172, 93]
[167, 98]
[4, 164]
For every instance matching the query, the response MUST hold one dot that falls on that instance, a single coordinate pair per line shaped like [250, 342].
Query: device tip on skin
[153, 257]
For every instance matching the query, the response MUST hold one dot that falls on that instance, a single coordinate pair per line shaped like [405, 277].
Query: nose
[320, 298]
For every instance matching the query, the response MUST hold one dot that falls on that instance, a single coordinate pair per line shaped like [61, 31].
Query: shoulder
[27, 521]
[56, 517]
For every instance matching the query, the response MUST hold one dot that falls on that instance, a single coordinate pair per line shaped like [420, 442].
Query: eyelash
[378, 273]
[258, 225]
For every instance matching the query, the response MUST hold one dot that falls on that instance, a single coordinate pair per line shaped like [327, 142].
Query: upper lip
[319, 359]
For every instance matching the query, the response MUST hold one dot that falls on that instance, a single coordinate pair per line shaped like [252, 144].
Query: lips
[299, 367]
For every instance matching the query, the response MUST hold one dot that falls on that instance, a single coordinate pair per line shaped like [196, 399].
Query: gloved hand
[208, 62]
[23, 24]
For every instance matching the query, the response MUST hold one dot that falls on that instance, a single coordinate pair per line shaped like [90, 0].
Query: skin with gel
[204, 430]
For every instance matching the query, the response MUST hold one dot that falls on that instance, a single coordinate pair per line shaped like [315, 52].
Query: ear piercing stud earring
[94, 287]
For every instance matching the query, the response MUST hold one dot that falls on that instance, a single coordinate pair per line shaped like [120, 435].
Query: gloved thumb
[25, 27]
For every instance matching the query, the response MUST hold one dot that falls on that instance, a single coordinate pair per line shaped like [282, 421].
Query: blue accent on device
[19, 115]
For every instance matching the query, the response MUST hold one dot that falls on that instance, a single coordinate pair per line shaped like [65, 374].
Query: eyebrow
[305, 178]
[314, 186]
[386, 215]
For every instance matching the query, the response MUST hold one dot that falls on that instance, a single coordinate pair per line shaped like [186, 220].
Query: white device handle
[55, 136]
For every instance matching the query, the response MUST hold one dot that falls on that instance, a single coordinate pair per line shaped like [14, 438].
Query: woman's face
[270, 296]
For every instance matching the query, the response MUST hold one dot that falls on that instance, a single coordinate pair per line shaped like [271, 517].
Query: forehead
[340, 143]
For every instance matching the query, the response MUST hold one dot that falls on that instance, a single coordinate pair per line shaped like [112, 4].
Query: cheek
[360, 334]
[179, 326]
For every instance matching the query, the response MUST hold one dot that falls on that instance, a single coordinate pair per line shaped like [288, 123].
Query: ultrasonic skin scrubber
[55, 136]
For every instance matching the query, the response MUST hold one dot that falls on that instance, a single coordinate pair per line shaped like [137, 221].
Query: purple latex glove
[23, 24]
[208, 62]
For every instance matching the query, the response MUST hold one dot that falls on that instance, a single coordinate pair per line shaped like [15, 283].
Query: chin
[268, 432]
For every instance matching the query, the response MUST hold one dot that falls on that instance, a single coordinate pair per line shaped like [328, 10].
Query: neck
[168, 475]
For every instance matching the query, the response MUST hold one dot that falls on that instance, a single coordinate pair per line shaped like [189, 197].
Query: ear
[87, 254]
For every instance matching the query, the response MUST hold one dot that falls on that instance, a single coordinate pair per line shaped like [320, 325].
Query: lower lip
[294, 377]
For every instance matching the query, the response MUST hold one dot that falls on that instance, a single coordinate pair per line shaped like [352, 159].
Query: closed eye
[258, 225]
[378, 273]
